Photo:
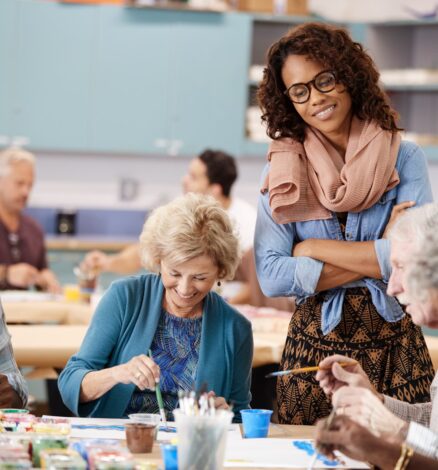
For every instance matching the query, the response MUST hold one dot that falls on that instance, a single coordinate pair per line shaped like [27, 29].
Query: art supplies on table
[159, 397]
[305, 370]
[202, 432]
[255, 423]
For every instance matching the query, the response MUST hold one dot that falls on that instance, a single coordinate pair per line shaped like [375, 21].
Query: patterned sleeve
[8, 366]
[419, 413]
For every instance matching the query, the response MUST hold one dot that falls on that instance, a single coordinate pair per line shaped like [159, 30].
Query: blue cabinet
[169, 81]
[7, 22]
[132, 79]
[113, 79]
[207, 88]
[52, 60]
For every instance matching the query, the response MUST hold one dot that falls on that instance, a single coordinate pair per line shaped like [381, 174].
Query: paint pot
[170, 456]
[140, 437]
[255, 422]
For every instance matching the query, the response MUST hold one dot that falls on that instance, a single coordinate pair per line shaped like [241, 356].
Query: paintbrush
[159, 399]
[327, 425]
[304, 370]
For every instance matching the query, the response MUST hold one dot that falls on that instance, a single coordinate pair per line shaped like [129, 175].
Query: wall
[93, 181]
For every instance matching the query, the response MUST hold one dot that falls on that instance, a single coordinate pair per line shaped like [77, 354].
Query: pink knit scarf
[308, 181]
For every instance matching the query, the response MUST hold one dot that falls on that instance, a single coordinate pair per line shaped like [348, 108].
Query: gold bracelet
[406, 454]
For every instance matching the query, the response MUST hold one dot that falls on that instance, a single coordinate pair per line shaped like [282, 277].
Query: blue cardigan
[124, 325]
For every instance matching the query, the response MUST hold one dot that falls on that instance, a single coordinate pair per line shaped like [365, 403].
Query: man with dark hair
[221, 169]
[214, 172]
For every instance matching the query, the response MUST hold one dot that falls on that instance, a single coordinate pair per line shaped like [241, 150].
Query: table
[276, 431]
[60, 312]
[48, 346]
[42, 345]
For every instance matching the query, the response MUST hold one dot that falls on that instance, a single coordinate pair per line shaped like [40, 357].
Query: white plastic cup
[202, 440]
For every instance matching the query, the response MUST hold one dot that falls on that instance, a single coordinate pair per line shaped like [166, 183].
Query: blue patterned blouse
[175, 348]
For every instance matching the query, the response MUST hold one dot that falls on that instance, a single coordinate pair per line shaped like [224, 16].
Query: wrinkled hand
[219, 402]
[22, 275]
[346, 436]
[364, 407]
[95, 261]
[48, 282]
[332, 376]
[9, 398]
[140, 370]
[397, 211]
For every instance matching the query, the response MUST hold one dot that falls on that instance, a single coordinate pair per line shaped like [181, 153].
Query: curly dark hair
[334, 49]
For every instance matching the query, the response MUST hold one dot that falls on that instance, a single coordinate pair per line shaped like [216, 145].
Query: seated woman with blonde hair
[194, 335]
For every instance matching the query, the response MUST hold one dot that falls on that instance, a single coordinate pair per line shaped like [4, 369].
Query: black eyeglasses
[14, 243]
[300, 92]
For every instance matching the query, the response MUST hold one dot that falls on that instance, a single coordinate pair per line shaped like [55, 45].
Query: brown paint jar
[140, 437]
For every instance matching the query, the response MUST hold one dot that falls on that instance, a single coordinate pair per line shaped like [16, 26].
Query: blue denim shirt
[281, 274]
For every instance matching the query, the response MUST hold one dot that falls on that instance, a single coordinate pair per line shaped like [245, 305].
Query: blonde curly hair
[191, 225]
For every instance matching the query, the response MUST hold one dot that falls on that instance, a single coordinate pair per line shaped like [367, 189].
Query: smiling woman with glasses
[336, 170]
[324, 82]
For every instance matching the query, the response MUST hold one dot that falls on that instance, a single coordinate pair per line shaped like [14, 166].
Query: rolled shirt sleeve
[414, 186]
[382, 247]
[279, 273]
[8, 366]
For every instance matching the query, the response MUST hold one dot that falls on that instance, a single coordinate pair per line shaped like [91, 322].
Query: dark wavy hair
[221, 169]
[335, 50]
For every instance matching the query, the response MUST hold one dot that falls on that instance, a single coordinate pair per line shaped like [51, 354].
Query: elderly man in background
[13, 388]
[23, 262]
[414, 281]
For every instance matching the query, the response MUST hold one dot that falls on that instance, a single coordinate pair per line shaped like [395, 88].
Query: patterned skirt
[393, 355]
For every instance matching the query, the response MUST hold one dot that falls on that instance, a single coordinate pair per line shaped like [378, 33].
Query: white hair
[415, 224]
[423, 270]
[14, 155]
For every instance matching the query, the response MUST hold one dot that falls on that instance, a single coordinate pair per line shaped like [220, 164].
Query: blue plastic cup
[255, 422]
[170, 456]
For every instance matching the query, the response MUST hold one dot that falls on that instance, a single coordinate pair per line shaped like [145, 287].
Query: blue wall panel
[53, 75]
[8, 18]
[210, 66]
[130, 107]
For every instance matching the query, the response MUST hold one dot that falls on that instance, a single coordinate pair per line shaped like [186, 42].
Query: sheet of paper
[279, 453]
[98, 428]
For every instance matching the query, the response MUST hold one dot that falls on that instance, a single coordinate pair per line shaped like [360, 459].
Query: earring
[219, 283]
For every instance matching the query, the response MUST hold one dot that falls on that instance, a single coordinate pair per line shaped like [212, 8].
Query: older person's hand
[95, 262]
[332, 376]
[364, 407]
[22, 275]
[354, 441]
[140, 370]
[219, 402]
[48, 282]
